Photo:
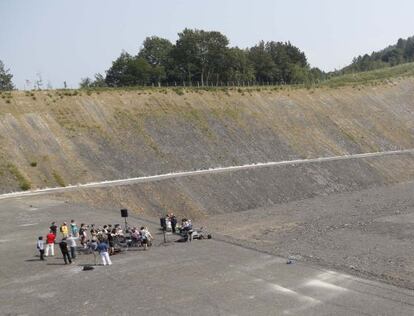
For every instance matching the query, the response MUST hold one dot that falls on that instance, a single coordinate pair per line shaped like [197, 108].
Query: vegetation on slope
[373, 76]
[400, 53]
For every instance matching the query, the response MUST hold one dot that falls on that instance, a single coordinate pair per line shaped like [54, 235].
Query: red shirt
[50, 238]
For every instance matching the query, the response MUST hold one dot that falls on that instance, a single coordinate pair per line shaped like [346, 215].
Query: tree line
[205, 58]
[400, 53]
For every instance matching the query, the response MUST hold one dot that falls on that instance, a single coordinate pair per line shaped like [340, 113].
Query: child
[41, 247]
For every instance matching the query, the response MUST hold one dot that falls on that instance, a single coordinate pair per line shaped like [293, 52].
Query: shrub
[179, 91]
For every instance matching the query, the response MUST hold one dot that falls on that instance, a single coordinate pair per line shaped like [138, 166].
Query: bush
[179, 91]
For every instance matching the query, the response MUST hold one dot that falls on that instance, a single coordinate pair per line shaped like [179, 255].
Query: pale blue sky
[67, 40]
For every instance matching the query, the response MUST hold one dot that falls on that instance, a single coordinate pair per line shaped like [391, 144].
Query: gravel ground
[367, 233]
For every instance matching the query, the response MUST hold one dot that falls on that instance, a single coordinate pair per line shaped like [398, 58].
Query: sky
[69, 40]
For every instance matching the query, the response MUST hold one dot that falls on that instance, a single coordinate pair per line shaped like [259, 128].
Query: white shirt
[72, 241]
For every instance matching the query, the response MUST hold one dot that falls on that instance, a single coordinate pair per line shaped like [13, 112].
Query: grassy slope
[372, 77]
[57, 137]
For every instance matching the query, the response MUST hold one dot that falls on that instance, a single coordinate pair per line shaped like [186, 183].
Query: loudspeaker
[124, 212]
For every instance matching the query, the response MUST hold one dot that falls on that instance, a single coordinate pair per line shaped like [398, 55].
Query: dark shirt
[63, 246]
[53, 228]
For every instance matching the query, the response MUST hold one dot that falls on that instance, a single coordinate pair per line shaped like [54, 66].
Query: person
[41, 247]
[83, 235]
[65, 251]
[111, 241]
[93, 232]
[146, 237]
[167, 223]
[74, 230]
[103, 251]
[72, 244]
[53, 228]
[173, 220]
[187, 229]
[64, 230]
[50, 243]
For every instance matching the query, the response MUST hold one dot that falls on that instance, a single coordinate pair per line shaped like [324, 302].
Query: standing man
[50, 244]
[41, 247]
[65, 251]
[103, 251]
[74, 230]
[173, 222]
[64, 230]
[72, 244]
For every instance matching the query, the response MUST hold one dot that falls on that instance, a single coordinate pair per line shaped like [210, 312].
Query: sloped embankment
[62, 137]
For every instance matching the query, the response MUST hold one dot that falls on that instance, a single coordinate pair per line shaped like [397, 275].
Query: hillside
[400, 53]
[55, 138]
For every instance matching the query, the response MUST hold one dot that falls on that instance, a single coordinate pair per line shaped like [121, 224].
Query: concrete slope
[53, 138]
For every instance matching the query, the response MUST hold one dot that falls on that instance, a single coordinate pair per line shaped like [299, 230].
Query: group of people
[170, 223]
[100, 239]
[67, 244]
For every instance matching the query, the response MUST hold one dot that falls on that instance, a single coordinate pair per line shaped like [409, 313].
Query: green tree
[238, 66]
[128, 70]
[6, 82]
[99, 80]
[85, 83]
[200, 55]
[263, 63]
[157, 52]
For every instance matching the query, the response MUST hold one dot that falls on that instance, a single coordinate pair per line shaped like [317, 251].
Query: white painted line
[325, 285]
[201, 172]
[31, 224]
[285, 290]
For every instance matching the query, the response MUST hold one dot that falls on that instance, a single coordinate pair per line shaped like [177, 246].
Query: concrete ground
[367, 233]
[209, 277]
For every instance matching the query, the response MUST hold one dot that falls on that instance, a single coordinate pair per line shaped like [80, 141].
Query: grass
[58, 178]
[24, 183]
[179, 91]
[373, 77]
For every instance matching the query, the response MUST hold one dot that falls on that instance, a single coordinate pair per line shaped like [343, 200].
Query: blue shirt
[102, 247]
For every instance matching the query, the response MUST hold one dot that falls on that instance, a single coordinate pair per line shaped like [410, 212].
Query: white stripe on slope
[199, 172]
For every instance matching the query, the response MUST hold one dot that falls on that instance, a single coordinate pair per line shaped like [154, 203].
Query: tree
[156, 51]
[238, 66]
[5, 78]
[128, 70]
[99, 80]
[85, 83]
[262, 62]
[200, 55]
